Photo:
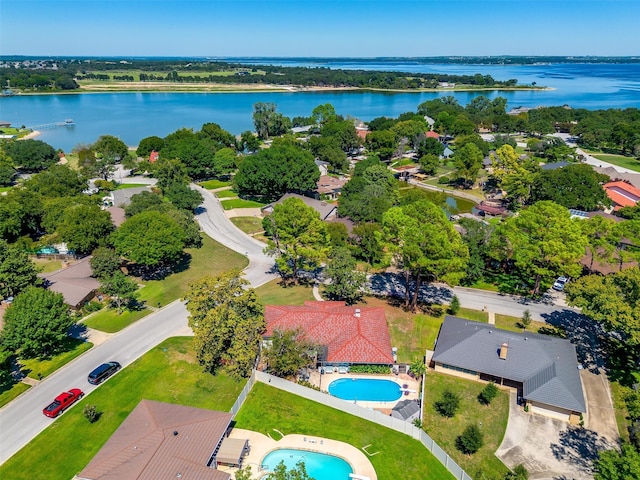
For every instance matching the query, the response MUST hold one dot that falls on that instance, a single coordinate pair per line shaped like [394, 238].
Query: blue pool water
[365, 389]
[318, 465]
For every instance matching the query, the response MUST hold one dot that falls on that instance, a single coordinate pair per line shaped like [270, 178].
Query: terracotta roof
[622, 194]
[432, 134]
[75, 282]
[362, 133]
[328, 184]
[348, 338]
[147, 447]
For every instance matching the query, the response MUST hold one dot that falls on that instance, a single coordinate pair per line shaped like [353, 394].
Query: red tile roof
[362, 133]
[622, 194]
[348, 338]
[432, 134]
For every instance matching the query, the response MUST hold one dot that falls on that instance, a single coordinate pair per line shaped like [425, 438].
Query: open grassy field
[250, 225]
[211, 259]
[168, 373]
[46, 265]
[213, 184]
[492, 420]
[273, 293]
[240, 203]
[74, 348]
[226, 194]
[399, 455]
[109, 321]
[619, 160]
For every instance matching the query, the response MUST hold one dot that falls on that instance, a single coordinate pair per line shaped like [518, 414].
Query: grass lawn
[507, 322]
[620, 409]
[619, 160]
[108, 320]
[8, 395]
[5, 189]
[475, 315]
[45, 265]
[226, 194]
[400, 456]
[248, 225]
[211, 259]
[273, 293]
[240, 203]
[72, 160]
[492, 421]
[482, 285]
[74, 348]
[168, 373]
[122, 186]
[213, 184]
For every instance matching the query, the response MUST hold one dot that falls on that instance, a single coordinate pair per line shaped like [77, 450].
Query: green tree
[327, 149]
[345, 282]
[546, 242]
[513, 175]
[244, 473]
[57, 181]
[250, 142]
[471, 440]
[170, 172]
[228, 322]
[17, 271]
[31, 155]
[36, 323]
[299, 237]
[338, 234]
[189, 227]
[183, 197]
[417, 367]
[21, 213]
[429, 163]
[143, 201]
[366, 240]
[225, 161]
[614, 465]
[108, 146]
[454, 305]
[280, 472]
[519, 472]
[526, 319]
[324, 113]
[603, 238]
[343, 132]
[574, 186]
[104, 262]
[149, 238]
[448, 404]
[430, 146]
[288, 352]
[488, 393]
[190, 149]
[383, 143]
[268, 122]
[148, 145]
[84, 227]
[121, 289]
[468, 160]
[7, 170]
[371, 191]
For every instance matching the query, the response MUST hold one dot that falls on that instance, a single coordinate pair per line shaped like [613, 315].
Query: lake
[133, 116]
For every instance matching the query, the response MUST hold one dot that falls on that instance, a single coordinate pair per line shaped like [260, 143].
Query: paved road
[22, 419]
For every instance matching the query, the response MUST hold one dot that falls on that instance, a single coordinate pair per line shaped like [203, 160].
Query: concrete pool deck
[260, 445]
[413, 387]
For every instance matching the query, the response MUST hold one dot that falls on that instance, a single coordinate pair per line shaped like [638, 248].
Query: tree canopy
[288, 352]
[17, 271]
[574, 186]
[84, 227]
[31, 155]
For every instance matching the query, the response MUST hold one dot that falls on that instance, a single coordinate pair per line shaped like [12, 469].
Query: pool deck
[413, 387]
[260, 445]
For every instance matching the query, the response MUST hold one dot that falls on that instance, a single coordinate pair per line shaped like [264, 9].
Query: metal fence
[372, 415]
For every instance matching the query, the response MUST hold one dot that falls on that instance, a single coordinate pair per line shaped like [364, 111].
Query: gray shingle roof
[546, 366]
[407, 408]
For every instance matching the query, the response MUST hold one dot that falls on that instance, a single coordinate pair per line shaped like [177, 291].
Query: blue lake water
[133, 116]
[318, 465]
[365, 389]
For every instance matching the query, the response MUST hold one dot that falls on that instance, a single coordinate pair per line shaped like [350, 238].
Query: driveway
[549, 449]
[600, 413]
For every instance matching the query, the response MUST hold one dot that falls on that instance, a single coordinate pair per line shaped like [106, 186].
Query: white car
[559, 284]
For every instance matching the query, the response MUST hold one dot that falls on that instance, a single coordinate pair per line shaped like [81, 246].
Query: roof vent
[175, 433]
[357, 314]
[504, 348]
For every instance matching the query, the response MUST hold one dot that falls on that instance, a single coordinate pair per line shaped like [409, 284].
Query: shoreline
[30, 136]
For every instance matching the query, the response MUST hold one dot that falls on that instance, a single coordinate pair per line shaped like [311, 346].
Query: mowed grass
[73, 348]
[272, 293]
[122, 186]
[492, 420]
[240, 203]
[213, 184]
[399, 455]
[212, 258]
[620, 409]
[110, 321]
[168, 373]
[226, 194]
[8, 395]
[45, 265]
[507, 322]
[619, 160]
[250, 225]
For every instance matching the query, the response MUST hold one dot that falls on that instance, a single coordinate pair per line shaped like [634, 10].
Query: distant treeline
[49, 74]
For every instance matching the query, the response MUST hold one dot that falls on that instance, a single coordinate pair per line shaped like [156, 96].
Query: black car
[104, 371]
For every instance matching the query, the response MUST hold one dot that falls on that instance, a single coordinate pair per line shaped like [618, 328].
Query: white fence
[353, 409]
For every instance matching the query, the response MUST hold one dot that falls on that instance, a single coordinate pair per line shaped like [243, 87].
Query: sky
[308, 28]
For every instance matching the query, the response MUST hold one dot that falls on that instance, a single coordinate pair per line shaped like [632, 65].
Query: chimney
[357, 314]
[504, 348]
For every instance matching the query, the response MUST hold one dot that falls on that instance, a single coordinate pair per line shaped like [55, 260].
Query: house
[407, 410]
[165, 441]
[327, 211]
[543, 369]
[447, 152]
[74, 282]
[122, 198]
[432, 134]
[614, 175]
[430, 121]
[622, 194]
[554, 165]
[153, 156]
[362, 133]
[330, 187]
[117, 215]
[347, 335]
[322, 166]
[5, 124]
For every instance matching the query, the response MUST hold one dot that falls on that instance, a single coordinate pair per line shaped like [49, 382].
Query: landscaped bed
[399, 455]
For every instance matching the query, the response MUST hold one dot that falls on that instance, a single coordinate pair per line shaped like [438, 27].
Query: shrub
[526, 319]
[448, 404]
[454, 305]
[471, 440]
[91, 413]
[518, 473]
[418, 367]
[488, 393]
[443, 181]
[553, 331]
[369, 369]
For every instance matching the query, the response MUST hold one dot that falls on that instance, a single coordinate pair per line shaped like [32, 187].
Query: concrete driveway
[600, 416]
[549, 449]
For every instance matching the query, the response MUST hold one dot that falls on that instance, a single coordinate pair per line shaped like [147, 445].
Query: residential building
[122, 198]
[74, 282]
[622, 194]
[407, 410]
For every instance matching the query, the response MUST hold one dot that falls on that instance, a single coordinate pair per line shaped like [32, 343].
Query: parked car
[104, 371]
[62, 402]
[560, 283]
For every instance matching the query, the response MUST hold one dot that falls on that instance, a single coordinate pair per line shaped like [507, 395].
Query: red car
[62, 402]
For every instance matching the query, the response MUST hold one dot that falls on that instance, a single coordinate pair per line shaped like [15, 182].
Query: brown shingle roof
[146, 447]
[75, 282]
[348, 338]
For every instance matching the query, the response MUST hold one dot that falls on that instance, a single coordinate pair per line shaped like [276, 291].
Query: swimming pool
[365, 389]
[318, 465]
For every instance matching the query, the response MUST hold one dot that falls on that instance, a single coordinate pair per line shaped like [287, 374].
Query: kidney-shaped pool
[319, 466]
[365, 389]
